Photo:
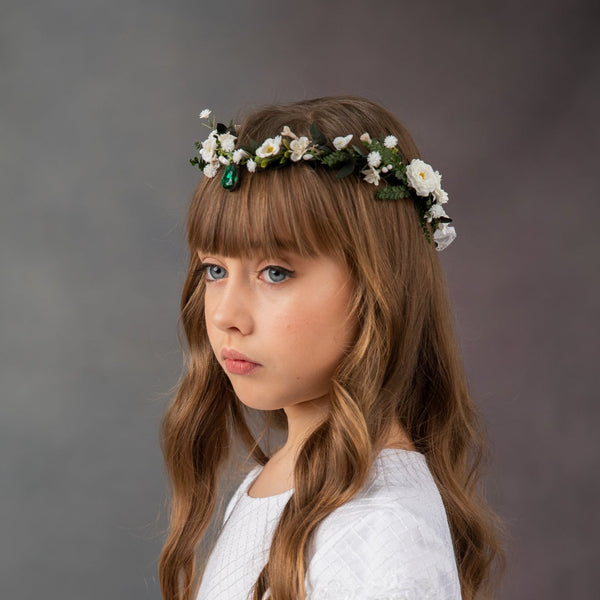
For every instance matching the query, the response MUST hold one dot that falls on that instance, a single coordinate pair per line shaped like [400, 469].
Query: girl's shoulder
[392, 538]
[400, 488]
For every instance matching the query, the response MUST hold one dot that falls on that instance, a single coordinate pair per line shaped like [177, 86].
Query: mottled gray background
[99, 103]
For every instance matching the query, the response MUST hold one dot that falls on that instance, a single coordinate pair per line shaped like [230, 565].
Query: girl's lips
[240, 367]
[238, 363]
[235, 355]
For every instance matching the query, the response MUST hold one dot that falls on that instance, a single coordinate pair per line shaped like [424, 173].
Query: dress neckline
[287, 493]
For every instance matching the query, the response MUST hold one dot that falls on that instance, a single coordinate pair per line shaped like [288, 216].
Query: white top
[389, 542]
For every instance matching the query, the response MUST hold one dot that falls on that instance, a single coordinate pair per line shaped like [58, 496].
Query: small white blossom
[441, 197]
[270, 147]
[251, 166]
[288, 133]
[435, 212]
[366, 138]
[209, 147]
[339, 143]
[391, 141]
[223, 160]
[227, 141]
[443, 236]
[211, 169]
[205, 114]
[298, 148]
[371, 175]
[422, 177]
[374, 159]
[308, 156]
[238, 155]
[390, 167]
[384, 170]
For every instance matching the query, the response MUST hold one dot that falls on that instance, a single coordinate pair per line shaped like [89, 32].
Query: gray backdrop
[99, 102]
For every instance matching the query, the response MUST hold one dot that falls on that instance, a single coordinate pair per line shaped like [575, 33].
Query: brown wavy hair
[403, 366]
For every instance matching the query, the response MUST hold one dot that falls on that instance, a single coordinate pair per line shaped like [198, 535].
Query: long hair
[403, 365]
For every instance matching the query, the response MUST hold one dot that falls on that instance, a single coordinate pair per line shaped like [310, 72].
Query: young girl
[314, 297]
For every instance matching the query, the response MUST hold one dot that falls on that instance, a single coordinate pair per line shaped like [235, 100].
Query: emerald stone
[230, 177]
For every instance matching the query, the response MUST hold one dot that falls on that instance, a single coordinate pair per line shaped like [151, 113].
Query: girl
[314, 297]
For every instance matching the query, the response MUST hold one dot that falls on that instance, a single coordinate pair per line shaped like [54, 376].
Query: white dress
[390, 542]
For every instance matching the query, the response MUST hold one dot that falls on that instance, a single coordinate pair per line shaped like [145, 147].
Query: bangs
[295, 209]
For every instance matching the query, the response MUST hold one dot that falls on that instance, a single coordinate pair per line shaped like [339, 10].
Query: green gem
[230, 177]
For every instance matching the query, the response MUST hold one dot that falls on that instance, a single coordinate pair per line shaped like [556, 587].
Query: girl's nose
[230, 307]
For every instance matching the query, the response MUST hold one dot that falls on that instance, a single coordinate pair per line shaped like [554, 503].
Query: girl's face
[288, 314]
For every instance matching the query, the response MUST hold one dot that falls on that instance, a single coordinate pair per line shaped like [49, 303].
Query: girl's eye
[277, 274]
[213, 272]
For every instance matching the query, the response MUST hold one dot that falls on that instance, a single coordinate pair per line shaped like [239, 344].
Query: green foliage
[346, 170]
[392, 192]
[337, 157]
[317, 135]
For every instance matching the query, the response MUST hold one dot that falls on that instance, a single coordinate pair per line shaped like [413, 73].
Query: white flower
[371, 175]
[422, 177]
[374, 159]
[211, 169]
[223, 160]
[308, 156]
[209, 147]
[251, 166]
[443, 236]
[339, 143]
[270, 147]
[298, 148]
[391, 141]
[366, 138]
[441, 197]
[227, 141]
[288, 133]
[205, 113]
[435, 212]
[238, 155]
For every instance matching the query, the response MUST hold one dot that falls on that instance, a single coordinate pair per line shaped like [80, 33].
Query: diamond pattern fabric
[390, 542]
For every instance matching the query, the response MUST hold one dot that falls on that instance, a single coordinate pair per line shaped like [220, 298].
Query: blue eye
[277, 274]
[207, 268]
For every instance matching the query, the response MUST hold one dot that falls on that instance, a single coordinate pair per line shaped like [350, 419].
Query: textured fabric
[390, 542]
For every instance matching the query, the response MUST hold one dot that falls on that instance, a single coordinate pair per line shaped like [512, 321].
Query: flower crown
[377, 160]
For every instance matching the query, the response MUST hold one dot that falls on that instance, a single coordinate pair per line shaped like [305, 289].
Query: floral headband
[377, 160]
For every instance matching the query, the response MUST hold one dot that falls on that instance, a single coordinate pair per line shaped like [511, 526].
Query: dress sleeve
[385, 554]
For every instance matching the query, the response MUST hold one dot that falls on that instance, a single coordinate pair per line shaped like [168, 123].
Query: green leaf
[400, 172]
[390, 192]
[337, 157]
[359, 150]
[250, 148]
[346, 170]
[317, 135]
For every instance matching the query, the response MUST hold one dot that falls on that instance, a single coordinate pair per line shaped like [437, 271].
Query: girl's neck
[303, 418]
